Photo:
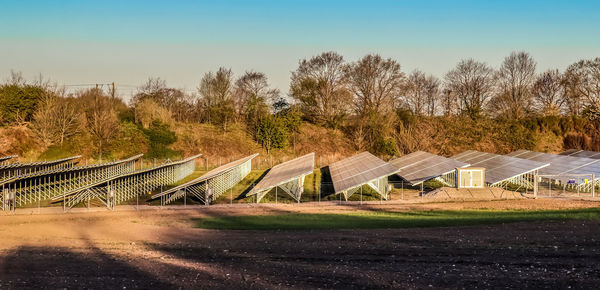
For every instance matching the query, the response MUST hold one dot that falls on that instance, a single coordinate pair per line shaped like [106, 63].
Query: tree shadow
[49, 267]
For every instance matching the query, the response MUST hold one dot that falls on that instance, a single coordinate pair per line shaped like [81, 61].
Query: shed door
[477, 178]
[465, 178]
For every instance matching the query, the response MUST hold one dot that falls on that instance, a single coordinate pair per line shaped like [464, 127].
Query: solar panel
[421, 166]
[95, 184]
[358, 170]
[36, 164]
[4, 158]
[68, 169]
[211, 174]
[582, 153]
[286, 172]
[499, 167]
[561, 164]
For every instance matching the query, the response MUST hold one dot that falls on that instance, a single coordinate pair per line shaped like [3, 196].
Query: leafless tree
[448, 102]
[320, 88]
[252, 98]
[515, 78]
[67, 119]
[216, 92]
[43, 123]
[432, 93]
[472, 82]
[549, 93]
[582, 80]
[101, 118]
[174, 100]
[16, 78]
[376, 84]
[415, 92]
[421, 93]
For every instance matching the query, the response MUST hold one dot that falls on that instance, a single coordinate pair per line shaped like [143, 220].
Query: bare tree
[472, 82]
[101, 118]
[448, 102]
[253, 94]
[432, 93]
[43, 123]
[582, 80]
[376, 83]
[67, 119]
[415, 92]
[549, 93]
[216, 92]
[421, 93]
[515, 79]
[320, 87]
[173, 100]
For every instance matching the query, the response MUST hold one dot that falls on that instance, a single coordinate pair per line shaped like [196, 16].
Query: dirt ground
[156, 247]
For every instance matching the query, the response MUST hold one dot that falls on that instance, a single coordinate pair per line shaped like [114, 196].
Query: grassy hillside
[441, 135]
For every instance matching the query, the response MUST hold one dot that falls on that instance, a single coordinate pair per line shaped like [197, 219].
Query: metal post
[402, 189]
[319, 194]
[535, 186]
[593, 185]
[275, 194]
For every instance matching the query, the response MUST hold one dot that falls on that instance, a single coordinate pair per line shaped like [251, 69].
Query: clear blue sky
[74, 42]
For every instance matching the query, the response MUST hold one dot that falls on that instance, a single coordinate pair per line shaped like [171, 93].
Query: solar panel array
[561, 164]
[421, 166]
[128, 174]
[286, 172]
[358, 170]
[206, 176]
[499, 167]
[4, 158]
[32, 165]
[582, 153]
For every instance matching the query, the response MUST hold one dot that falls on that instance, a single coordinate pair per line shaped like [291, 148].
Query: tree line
[368, 99]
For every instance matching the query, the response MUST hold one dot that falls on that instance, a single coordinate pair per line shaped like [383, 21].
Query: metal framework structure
[288, 176]
[503, 170]
[420, 166]
[587, 186]
[37, 186]
[5, 159]
[350, 174]
[8, 171]
[208, 187]
[564, 169]
[114, 190]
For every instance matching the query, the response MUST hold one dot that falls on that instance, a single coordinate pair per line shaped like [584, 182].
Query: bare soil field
[160, 248]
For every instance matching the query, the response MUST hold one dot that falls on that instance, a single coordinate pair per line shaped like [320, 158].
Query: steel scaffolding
[294, 188]
[8, 171]
[114, 190]
[210, 186]
[5, 159]
[380, 185]
[42, 185]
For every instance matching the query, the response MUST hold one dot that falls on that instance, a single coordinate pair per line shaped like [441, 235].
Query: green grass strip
[381, 219]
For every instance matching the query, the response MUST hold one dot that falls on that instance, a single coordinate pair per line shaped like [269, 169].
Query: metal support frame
[379, 185]
[117, 189]
[45, 185]
[207, 191]
[558, 179]
[293, 188]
